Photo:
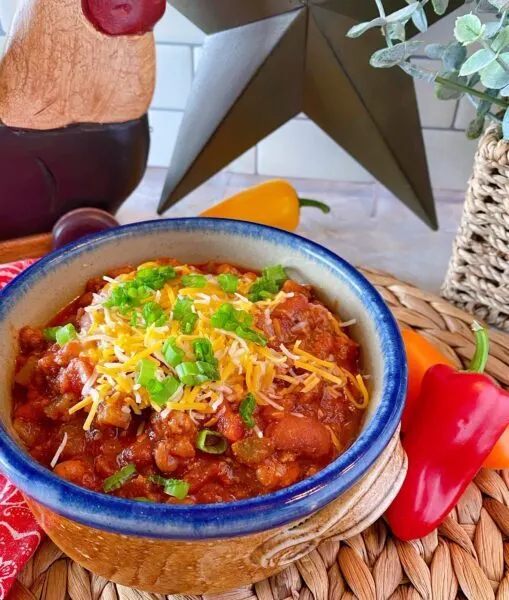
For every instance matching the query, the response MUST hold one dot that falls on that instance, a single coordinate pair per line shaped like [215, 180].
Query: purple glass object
[79, 223]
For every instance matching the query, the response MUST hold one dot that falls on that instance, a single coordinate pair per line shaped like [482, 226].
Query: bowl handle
[348, 515]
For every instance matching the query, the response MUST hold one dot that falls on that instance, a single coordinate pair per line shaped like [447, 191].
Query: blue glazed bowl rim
[230, 519]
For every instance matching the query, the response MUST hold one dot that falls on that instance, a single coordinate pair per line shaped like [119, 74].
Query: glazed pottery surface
[197, 549]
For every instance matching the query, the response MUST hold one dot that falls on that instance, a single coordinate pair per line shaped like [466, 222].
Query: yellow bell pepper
[273, 203]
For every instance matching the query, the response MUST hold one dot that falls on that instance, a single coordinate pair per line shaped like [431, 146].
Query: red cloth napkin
[20, 535]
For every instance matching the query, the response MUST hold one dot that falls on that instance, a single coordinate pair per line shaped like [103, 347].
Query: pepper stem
[482, 347]
[325, 208]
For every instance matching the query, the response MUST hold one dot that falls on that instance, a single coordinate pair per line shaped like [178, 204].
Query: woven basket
[478, 275]
[468, 557]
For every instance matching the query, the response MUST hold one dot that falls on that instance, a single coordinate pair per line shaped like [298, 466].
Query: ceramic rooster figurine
[76, 80]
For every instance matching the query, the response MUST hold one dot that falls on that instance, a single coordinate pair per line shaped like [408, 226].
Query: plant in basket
[474, 65]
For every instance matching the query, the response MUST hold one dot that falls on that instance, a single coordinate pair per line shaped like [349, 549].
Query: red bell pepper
[457, 421]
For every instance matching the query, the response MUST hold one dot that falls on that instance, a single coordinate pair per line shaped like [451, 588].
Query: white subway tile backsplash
[450, 157]
[174, 27]
[174, 76]
[245, 164]
[433, 112]
[301, 149]
[164, 126]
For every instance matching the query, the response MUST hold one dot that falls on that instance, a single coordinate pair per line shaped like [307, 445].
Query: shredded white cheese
[59, 451]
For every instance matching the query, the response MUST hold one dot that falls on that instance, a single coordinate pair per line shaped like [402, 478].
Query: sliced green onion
[194, 281]
[156, 277]
[161, 391]
[117, 480]
[237, 321]
[125, 296]
[181, 307]
[193, 373]
[208, 369]
[50, 334]
[228, 283]
[268, 284]
[182, 311]
[172, 353]
[178, 488]
[153, 314]
[142, 499]
[251, 335]
[246, 410]
[277, 274]
[134, 319]
[203, 351]
[65, 334]
[211, 442]
[188, 324]
[146, 372]
[157, 479]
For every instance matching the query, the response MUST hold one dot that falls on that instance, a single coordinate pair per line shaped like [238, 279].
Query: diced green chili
[211, 442]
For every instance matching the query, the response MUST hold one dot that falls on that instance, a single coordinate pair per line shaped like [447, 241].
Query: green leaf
[483, 108]
[468, 29]
[500, 4]
[501, 41]
[505, 125]
[446, 93]
[418, 72]
[435, 51]
[492, 29]
[505, 91]
[361, 28]
[419, 19]
[396, 31]
[440, 6]
[475, 128]
[477, 62]
[403, 15]
[494, 75]
[454, 56]
[474, 80]
[390, 57]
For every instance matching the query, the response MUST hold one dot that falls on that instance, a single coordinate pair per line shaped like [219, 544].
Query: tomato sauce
[297, 439]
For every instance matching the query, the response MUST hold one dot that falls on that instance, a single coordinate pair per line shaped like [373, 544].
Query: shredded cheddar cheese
[117, 342]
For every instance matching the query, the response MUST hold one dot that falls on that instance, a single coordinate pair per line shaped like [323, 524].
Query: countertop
[367, 225]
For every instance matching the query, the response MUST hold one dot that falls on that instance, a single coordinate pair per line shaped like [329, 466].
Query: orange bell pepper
[499, 456]
[422, 355]
[273, 203]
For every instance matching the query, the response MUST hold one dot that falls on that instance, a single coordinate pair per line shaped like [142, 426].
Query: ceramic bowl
[210, 548]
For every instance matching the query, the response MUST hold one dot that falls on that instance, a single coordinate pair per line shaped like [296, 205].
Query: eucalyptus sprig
[474, 64]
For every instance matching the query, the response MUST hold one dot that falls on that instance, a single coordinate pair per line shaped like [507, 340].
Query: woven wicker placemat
[468, 557]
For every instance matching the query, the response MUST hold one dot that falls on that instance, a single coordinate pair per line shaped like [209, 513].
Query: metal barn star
[266, 61]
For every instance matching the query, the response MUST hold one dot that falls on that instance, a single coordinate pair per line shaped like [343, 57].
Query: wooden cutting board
[23, 248]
